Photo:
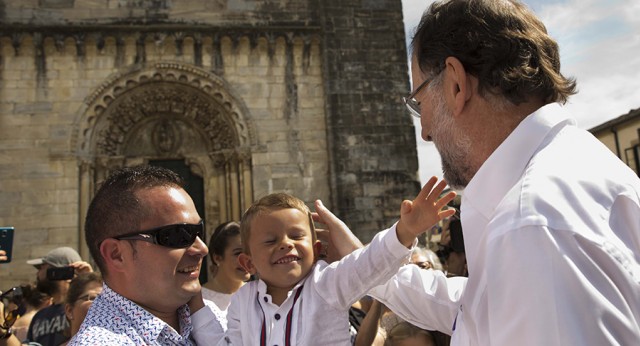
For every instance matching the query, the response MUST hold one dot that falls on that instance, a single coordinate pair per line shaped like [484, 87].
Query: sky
[599, 46]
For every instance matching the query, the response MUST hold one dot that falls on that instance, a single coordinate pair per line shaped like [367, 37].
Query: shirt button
[277, 316]
[266, 299]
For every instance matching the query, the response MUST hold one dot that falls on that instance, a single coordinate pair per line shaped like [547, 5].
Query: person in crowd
[227, 275]
[425, 258]
[47, 325]
[83, 290]
[406, 334]
[549, 214]
[379, 320]
[299, 300]
[32, 301]
[145, 235]
[453, 248]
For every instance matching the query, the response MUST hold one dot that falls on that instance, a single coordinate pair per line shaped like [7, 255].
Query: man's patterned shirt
[116, 320]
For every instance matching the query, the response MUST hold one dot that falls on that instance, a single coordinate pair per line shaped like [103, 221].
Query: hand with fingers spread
[417, 216]
[341, 241]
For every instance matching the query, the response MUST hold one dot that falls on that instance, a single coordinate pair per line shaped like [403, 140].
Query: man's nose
[198, 248]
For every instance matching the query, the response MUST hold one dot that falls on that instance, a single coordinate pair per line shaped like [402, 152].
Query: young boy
[299, 300]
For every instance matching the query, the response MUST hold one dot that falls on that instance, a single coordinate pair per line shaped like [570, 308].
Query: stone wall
[373, 146]
[317, 85]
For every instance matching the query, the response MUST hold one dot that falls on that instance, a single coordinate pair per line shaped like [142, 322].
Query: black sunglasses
[178, 236]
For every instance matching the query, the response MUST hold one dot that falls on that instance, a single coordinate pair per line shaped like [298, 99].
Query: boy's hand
[419, 215]
[339, 237]
[196, 303]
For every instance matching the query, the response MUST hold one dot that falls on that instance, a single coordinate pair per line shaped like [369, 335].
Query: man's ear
[247, 263]
[459, 86]
[112, 252]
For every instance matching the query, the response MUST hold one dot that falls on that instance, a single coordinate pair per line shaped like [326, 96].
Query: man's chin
[192, 288]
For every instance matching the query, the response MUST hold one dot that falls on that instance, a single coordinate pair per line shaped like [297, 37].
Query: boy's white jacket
[320, 316]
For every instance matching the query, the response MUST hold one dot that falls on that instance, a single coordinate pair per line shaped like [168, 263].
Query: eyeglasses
[412, 104]
[87, 298]
[178, 236]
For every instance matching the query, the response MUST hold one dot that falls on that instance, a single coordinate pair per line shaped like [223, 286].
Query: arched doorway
[165, 113]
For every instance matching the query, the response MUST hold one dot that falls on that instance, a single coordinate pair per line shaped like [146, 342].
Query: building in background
[242, 97]
[622, 136]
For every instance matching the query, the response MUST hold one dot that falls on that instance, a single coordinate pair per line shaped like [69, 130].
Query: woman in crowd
[83, 290]
[227, 276]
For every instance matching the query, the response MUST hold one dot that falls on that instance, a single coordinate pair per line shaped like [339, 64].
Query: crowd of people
[545, 249]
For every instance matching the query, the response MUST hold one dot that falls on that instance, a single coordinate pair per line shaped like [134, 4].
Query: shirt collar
[262, 288]
[504, 167]
[149, 327]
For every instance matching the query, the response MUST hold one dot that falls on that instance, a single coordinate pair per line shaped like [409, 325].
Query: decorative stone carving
[199, 98]
[165, 137]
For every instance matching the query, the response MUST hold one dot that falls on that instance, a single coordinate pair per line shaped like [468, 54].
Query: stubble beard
[454, 146]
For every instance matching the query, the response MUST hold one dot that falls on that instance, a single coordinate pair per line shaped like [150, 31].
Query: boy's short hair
[267, 204]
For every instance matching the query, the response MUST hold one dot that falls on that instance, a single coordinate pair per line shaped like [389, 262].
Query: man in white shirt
[551, 218]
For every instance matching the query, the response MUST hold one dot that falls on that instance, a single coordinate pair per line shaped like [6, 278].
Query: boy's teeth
[287, 260]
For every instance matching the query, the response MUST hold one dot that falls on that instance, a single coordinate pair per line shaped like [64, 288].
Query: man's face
[164, 278]
[438, 125]
[282, 249]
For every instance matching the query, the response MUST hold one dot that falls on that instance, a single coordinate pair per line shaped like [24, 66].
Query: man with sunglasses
[551, 218]
[146, 236]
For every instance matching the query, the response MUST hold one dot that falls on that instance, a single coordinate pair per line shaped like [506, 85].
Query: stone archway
[169, 111]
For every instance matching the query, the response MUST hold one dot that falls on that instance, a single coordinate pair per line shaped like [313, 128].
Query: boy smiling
[299, 300]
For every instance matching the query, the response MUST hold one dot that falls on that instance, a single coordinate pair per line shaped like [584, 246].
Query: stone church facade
[244, 97]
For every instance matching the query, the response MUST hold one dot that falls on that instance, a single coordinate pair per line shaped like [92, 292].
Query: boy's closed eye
[298, 236]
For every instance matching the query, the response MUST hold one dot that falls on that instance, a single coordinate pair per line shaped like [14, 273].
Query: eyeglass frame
[411, 103]
[153, 234]
[89, 297]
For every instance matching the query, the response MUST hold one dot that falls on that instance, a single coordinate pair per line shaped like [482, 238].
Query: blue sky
[599, 46]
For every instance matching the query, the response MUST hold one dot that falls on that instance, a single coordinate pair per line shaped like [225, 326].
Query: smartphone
[60, 273]
[6, 242]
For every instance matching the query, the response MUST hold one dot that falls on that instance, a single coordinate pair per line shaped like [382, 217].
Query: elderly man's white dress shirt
[551, 223]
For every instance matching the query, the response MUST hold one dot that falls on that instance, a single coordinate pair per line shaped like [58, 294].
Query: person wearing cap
[48, 325]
